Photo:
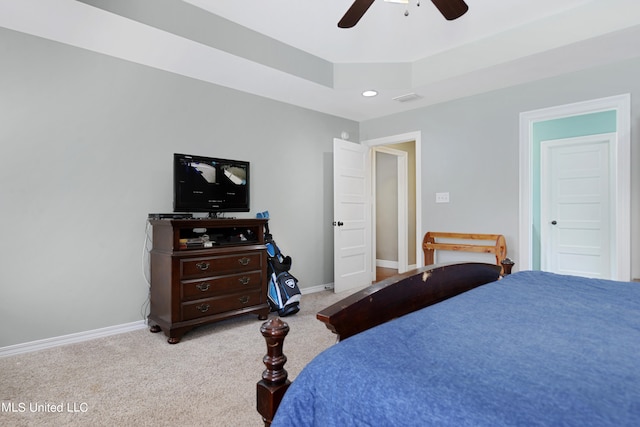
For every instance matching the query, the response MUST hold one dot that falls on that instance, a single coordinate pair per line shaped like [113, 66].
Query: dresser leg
[155, 329]
[173, 340]
[263, 314]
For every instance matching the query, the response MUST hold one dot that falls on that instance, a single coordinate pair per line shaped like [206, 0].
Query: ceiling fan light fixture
[450, 9]
[369, 93]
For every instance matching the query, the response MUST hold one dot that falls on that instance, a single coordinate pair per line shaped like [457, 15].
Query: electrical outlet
[442, 197]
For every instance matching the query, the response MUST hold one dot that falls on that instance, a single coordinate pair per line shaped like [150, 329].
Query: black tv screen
[208, 184]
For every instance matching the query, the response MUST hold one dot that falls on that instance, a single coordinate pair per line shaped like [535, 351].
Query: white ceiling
[293, 51]
[384, 34]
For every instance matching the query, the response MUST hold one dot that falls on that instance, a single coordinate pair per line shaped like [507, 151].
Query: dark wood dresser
[204, 271]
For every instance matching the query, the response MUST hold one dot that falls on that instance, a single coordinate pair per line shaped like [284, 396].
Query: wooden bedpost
[507, 265]
[274, 381]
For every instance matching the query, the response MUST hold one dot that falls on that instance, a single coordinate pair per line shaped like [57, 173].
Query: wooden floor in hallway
[383, 273]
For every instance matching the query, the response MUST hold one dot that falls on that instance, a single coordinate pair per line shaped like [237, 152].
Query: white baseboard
[29, 347]
[314, 289]
[386, 263]
[46, 343]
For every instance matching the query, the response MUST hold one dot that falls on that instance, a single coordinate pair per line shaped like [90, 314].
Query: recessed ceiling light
[369, 93]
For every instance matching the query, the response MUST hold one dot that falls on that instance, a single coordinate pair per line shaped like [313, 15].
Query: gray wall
[470, 148]
[85, 153]
[86, 144]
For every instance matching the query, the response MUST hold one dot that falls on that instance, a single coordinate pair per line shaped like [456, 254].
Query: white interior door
[576, 206]
[352, 215]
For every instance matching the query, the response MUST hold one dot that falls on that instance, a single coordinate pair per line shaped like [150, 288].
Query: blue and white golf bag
[283, 294]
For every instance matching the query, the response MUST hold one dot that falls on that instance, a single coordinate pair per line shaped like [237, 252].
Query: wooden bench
[490, 244]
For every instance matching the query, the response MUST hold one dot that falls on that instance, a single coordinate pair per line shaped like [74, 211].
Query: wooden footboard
[372, 306]
[403, 294]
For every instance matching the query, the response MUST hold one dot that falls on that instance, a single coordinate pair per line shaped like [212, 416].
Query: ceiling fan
[450, 9]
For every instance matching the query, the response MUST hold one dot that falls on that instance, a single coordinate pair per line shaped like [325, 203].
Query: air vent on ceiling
[408, 97]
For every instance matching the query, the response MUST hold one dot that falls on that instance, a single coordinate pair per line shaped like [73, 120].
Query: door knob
[339, 223]
[554, 222]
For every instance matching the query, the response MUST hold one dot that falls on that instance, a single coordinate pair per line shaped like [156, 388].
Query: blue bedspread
[533, 349]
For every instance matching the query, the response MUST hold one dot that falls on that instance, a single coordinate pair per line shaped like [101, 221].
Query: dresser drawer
[215, 265]
[207, 307]
[210, 286]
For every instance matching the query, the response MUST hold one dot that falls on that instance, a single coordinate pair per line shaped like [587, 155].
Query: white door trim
[397, 139]
[403, 214]
[622, 174]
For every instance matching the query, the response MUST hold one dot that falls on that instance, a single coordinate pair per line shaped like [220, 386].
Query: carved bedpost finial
[274, 381]
[274, 331]
[507, 265]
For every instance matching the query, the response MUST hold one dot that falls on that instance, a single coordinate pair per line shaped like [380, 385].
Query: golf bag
[283, 294]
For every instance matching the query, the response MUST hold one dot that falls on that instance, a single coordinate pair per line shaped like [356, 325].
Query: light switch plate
[442, 197]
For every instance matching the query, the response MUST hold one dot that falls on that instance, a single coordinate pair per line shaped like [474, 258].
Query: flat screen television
[208, 184]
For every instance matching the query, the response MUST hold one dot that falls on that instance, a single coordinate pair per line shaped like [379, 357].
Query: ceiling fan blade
[355, 12]
[451, 9]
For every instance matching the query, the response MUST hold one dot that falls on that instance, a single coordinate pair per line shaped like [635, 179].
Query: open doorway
[396, 232]
[390, 210]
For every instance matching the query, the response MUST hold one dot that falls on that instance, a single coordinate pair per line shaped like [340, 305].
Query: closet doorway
[533, 128]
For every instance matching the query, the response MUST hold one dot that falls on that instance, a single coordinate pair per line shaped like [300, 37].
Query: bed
[533, 348]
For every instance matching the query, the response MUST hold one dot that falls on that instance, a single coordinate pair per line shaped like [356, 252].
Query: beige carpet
[137, 379]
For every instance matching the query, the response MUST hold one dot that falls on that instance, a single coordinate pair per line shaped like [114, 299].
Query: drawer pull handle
[244, 299]
[204, 287]
[203, 266]
[244, 280]
[203, 308]
[244, 260]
